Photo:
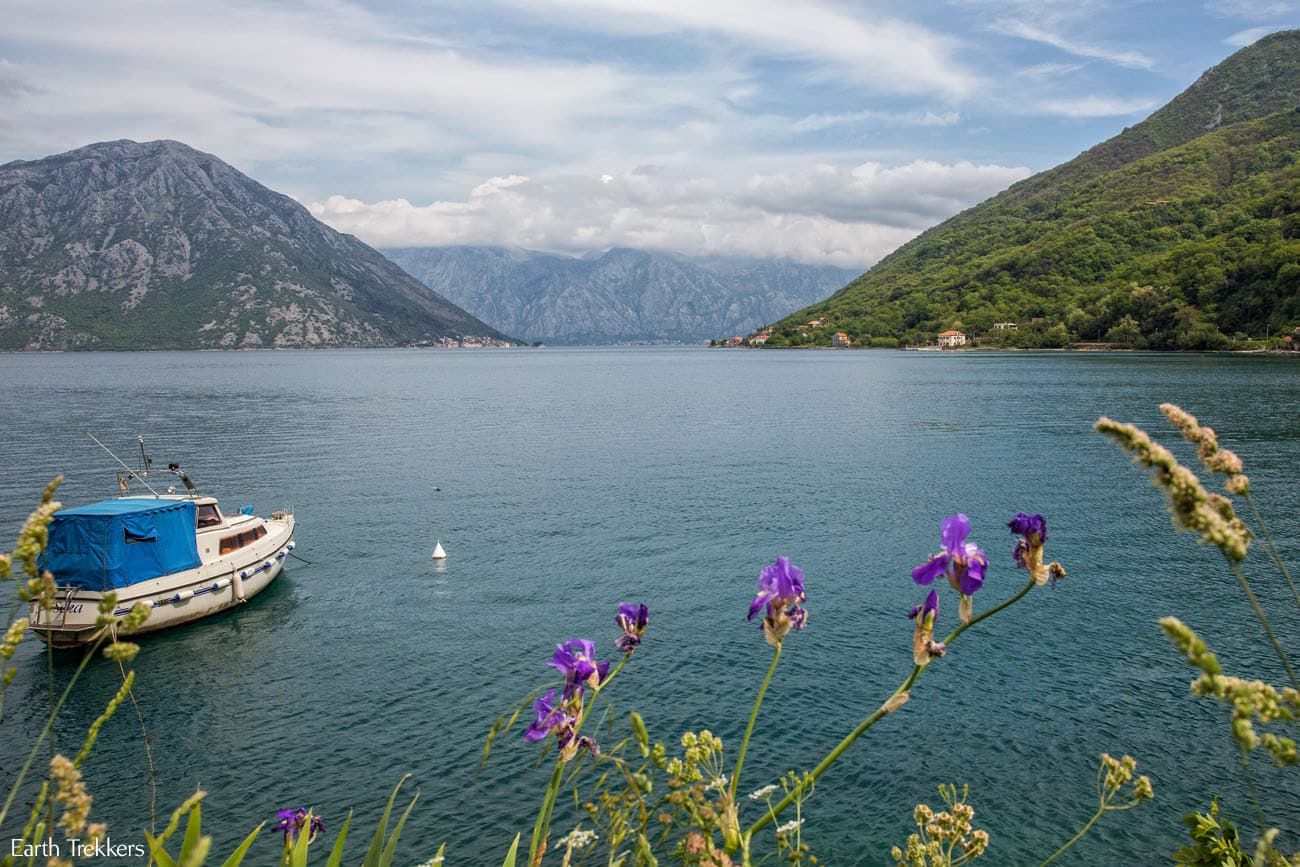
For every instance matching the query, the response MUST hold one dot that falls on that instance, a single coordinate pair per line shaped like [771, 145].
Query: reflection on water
[573, 480]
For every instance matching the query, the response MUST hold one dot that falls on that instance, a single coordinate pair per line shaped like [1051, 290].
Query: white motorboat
[179, 554]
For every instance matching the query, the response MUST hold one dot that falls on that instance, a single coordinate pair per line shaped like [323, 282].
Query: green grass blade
[157, 854]
[391, 849]
[193, 829]
[197, 854]
[237, 857]
[381, 830]
[336, 854]
[298, 854]
[510, 856]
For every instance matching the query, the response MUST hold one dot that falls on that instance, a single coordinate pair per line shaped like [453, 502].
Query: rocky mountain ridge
[155, 245]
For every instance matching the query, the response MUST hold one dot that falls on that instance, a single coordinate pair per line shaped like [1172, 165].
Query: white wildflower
[763, 793]
[792, 825]
[719, 784]
[579, 839]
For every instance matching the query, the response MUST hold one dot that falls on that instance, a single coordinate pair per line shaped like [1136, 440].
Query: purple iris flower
[963, 562]
[927, 608]
[549, 717]
[577, 660]
[562, 721]
[1033, 532]
[924, 647]
[292, 822]
[632, 619]
[1028, 553]
[780, 588]
[779, 580]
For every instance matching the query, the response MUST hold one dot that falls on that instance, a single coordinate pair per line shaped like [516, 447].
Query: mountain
[617, 296]
[122, 245]
[1179, 233]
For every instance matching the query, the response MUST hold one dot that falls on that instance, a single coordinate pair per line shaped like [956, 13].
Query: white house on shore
[948, 339]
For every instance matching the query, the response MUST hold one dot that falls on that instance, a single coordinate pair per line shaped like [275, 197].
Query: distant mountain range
[122, 245]
[1179, 233]
[619, 296]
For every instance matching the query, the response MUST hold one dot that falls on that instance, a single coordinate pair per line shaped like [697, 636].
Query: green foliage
[1171, 235]
[512, 854]
[380, 853]
[1254, 703]
[1215, 841]
[944, 839]
[195, 845]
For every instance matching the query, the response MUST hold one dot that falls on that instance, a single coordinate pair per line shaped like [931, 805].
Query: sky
[824, 131]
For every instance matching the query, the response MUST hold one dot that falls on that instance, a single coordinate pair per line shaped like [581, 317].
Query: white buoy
[438, 553]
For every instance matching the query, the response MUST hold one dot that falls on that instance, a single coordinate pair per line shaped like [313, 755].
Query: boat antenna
[130, 473]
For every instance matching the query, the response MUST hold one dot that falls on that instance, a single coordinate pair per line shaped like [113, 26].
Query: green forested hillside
[1182, 232]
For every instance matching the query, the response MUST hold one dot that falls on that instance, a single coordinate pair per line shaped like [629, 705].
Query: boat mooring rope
[300, 559]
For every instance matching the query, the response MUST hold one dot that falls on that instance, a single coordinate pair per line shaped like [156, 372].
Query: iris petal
[930, 569]
[954, 532]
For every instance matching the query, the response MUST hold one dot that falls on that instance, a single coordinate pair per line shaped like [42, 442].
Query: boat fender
[237, 586]
[268, 564]
[281, 555]
[291, 546]
[182, 596]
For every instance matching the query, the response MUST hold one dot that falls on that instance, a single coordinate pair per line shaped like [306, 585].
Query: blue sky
[824, 131]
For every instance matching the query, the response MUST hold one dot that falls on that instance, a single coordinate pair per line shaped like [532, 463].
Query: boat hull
[182, 597]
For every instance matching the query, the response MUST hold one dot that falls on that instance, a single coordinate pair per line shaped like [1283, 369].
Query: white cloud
[1025, 30]
[885, 53]
[262, 82]
[1242, 38]
[1251, 9]
[815, 122]
[1095, 106]
[824, 214]
[1049, 70]
[13, 83]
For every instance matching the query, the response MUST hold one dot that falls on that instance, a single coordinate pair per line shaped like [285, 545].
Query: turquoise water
[563, 482]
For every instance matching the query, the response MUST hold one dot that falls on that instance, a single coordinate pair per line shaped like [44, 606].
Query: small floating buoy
[438, 553]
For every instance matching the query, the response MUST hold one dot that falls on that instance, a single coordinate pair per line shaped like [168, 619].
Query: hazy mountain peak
[617, 295]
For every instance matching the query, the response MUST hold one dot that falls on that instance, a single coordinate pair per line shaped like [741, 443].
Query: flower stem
[542, 827]
[1254, 793]
[1272, 549]
[1263, 619]
[49, 727]
[867, 723]
[753, 718]
[543, 823]
[1076, 838]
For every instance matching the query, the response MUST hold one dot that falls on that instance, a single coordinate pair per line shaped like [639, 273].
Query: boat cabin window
[239, 540]
[208, 516]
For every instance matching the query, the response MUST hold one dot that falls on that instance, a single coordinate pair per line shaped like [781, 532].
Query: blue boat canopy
[117, 543]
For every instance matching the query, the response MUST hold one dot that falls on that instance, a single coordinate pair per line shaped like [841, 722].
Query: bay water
[565, 481]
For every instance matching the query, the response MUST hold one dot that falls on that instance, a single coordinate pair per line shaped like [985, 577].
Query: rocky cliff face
[618, 296]
[122, 245]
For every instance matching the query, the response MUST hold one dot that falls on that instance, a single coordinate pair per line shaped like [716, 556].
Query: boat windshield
[208, 516]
